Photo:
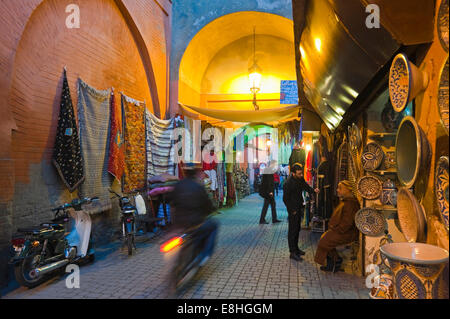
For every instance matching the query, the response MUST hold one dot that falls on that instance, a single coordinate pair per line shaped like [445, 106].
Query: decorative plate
[354, 135]
[399, 82]
[370, 222]
[389, 118]
[443, 95]
[442, 24]
[441, 189]
[372, 156]
[410, 216]
[369, 187]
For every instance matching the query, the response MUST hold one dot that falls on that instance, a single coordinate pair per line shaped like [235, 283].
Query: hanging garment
[94, 120]
[116, 162]
[231, 193]
[135, 154]
[308, 168]
[67, 152]
[220, 181]
[160, 146]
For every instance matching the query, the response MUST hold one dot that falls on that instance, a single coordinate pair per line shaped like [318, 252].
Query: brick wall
[120, 44]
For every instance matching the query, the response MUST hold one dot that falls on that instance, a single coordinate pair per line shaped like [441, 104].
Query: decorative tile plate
[442, 24]
[372, 156]
[369, 187]
[370, 222]
[441, 189]
[443, 96]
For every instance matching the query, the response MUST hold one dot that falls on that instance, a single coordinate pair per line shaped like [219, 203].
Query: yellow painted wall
[427, 116]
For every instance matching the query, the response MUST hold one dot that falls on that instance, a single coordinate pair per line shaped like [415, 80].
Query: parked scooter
[189, 251]
[128, 221]
[48, 247]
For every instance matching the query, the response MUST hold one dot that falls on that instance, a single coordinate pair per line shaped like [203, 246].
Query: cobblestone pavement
[250, 261]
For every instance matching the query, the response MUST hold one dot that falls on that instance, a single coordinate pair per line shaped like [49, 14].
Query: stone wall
[123, 44]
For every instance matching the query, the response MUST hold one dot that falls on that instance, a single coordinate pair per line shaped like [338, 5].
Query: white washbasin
[416, 253]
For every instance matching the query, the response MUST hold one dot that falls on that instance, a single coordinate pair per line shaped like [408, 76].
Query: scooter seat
[31, 230]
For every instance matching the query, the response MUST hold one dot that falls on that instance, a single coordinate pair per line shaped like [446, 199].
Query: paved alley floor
[250, 261]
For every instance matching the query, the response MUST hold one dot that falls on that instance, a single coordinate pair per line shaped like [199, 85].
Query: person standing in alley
[276, 179]
[293, 190]
[267, 191]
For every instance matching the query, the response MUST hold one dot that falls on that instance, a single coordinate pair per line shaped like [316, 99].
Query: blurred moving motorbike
[189, 251]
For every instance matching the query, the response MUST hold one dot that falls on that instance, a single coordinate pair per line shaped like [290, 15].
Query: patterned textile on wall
[116, 163]
[135, 154]
[221, 181]
[94, 121]
[67, 152]
[341, 170]
[160, 146]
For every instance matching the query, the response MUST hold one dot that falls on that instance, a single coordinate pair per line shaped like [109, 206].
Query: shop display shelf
[385, 208]
[385, 172]
[378, 136]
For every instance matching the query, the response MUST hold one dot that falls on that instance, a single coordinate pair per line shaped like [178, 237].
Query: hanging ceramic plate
[442, 24]
[354, 137]
[443, 95]
[369, 187]
[410, 216]
[441, 189]
[370, 222]
[372, 156]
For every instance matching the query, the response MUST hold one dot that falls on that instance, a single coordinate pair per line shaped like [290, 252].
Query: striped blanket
[94, 123]
[160, 146]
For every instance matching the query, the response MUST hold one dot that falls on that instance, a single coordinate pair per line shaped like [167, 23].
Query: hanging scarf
[116, 163]
[94, 121]
[135, 156]
[67, 152]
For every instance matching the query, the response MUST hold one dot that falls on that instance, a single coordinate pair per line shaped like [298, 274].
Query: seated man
[341, 229]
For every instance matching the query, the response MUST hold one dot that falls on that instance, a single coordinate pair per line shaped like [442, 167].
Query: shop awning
[247, 116]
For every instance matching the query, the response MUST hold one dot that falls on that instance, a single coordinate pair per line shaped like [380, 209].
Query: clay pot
[416, 269]
[406, 81]
[412, 152]
[389, 193]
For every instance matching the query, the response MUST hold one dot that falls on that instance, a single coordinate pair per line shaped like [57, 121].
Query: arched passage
[214, 68]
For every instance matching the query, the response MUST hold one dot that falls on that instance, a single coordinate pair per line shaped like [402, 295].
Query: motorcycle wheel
[23, 269]
[130, 244]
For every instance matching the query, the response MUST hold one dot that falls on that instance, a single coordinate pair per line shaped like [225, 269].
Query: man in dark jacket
[190, 200]
[192, 206]
[293, 199]
[267, 191]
